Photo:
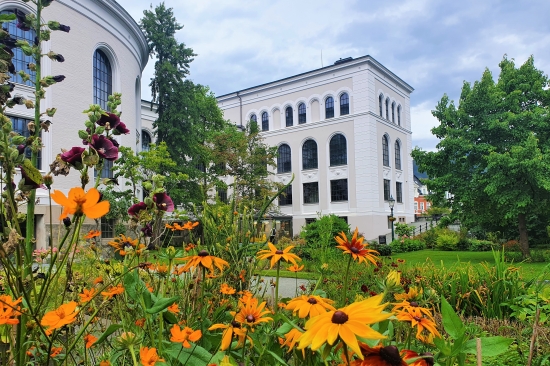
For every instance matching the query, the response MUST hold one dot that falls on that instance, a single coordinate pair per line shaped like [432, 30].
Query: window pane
[329, 107]
[338, 150]
[222, 195]
[288, 116]
[285, 198]
[302, 113]
[19, 60]
[386, 189]
[344, 104]
[145, 140]
[380, 101]
[19, 125]
[265, 122]
[399, 192]
[339, 190]
[309, 155]
[103, 79]
[397, 155]
[385, 151]
[311, 192]
[284, 159]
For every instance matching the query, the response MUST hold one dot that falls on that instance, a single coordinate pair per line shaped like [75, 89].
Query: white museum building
[344, 131]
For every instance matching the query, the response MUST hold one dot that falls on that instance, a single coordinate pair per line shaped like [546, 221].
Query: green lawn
[448, 259]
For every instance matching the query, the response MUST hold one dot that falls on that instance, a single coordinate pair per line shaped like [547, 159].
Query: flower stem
[345, 288]
[131, 348]
[276, 300]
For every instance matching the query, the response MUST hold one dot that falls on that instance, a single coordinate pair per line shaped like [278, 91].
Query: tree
[494, 151]
[188, 113]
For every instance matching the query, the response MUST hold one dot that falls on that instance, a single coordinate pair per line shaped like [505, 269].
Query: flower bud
[48, 180]
[31, 66]
[51, 111]
[56, 56]
[67, 221]
[29, 104]
[53, 25]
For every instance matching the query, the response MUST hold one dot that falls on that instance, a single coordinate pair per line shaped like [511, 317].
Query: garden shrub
[447, 240]
[383, 249]
[319, 236]
[404, 245]
[402, 229]
[475, 245]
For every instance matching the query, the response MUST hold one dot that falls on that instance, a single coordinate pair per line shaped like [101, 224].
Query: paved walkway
[287, 286]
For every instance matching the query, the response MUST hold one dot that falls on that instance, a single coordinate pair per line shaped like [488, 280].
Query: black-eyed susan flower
[413, 308]
[356, 248]
[295, 268]
[226, 289]
[251, 313]
[231, 330]
[205, 260]
[412, 294]
[311, 305]
[418, 320]
[420, 359]
[291, 338]
[276, 255]
[380, 356]
[345, 325]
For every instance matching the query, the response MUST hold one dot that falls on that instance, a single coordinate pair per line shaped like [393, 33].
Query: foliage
[319, 236]
[480, 245]
[493, 151]
[447, 240]
[405, 244]
[384, 249]
[402, 229]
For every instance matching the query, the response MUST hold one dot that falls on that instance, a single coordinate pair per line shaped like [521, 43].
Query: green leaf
[162, 304]
[442, 346]
[110, 330]
[195, 355]
[451, 322]
[31, 171]
[490, 346]
[169, 317]
[275, 356]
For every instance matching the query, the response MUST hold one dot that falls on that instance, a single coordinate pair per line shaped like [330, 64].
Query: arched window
[265, 122]
[329, 108]
[103, 79]
[145, 140]
[397, 155]
[301, 113]
[253, 118]
[284, 159]
[309, 155]
[393, 112]
[288, 116]
[388, 109]
[344, 104]
[399, 115]
[19, 59]
[385, 151]
[338, 150]
[380, 102]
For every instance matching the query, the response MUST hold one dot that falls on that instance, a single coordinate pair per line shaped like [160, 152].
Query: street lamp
[391, 202]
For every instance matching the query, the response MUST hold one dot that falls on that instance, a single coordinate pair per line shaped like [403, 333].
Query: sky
[433, 45]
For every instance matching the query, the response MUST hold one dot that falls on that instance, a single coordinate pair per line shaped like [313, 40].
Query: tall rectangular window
[399, 192]
[339, 190]
[285, 198]
[421, 206]
[386, 189]
[222, 195]
[107, 228]
[416, 206]
[311, 192]
[20, 125]
[19, 59]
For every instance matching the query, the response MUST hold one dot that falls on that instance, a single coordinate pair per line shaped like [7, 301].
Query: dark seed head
[250, 318]
[234, 324]
[354, 250]
[312, 301]
[390, 354]
[339, 317]
[414, 304]
[279, 252]
[429, 358]
[203, 253]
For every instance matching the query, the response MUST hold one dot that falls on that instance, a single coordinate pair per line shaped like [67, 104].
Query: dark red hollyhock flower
[73, 156]
[21, 20]
[58, 78]
[134, 210]
[364, 288]
[21, 148]
[104, 147]
[121, 129]
[110, 118]
[115, 142]
[163, 202]
[9, 42]
[147, 230]
[59, 58]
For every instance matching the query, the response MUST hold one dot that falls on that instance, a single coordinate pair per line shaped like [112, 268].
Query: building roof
[342, 63]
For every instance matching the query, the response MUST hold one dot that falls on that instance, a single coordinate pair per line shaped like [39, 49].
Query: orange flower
[276, 255]
[125, 245]
[149, 287]
[190, 225]
[174, 308]
[148, 356]
[251, 313]
[98, 280]
[379, 356]
[63, 315]
[291, 338]
[56, 351]
[189, 247]
[295, 268]
[205, 260]
[92, 234]
[311, 305]
[413, 308]
[423, 359]
[245, 296]
[184, 335]
[412, 294]
[242, 274]
[81, 203]
[226, 289]
[356, 248]
[140, 322]
[90, 340]
[234, 329]
[105, 363]
[9, 309]
[113, 291]
[87, 295]
[418, 320]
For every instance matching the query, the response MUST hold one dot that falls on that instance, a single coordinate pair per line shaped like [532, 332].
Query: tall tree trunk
[523, 237]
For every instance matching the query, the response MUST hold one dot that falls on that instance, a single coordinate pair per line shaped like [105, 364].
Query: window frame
[311, 192]
[385, 151]
[102, 78]
[387, 189]
[393, 112]
[399, 115]
[285, 198]
[397, 152]
[337, 157]
[399, 192]
[107, 227]
[344, 104]
[302, 116]
[143, 142]
[381, 104]
[284, 159]
[329, 107]
[310, 155]
[222, 195]
[265, 121]
[388, 109]
[289, 117]
[339, 190]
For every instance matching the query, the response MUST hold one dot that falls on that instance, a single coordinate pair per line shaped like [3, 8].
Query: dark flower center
[126, 244]
[250, 318]
[390, 354]
[429, 358]
[417, 318]
[279, 252]
[354, 250]
[339, 317]
[234, 324]
[414, 304]
[203, 253]
[312, 301]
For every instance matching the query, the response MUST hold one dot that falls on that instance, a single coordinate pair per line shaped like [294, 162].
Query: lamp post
[391, 202]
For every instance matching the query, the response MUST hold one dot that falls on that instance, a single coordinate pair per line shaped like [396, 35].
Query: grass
[449, 259]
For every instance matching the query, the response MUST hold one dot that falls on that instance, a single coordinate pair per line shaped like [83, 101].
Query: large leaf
[490, 346]
[31, 171]
[162, 304]
[110, 330]
[451, 322]
[195, 356]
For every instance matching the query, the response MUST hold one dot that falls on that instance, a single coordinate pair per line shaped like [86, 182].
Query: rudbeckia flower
[148, 356]
[291, 338]
[252, 314]
[63, 315]
[418, 320]
[356, 248]
[184, 335]
[346, 325]
[81, 203]
[226, 289]
[311, 305]
[205, 260]
[379, 356]
[295, 268]
[233, 329]
[422, 359]
[276, 255]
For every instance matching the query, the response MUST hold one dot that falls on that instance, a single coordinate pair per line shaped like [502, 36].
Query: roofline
[355, 61]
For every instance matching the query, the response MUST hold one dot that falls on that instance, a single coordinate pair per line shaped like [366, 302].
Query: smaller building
[421, 203]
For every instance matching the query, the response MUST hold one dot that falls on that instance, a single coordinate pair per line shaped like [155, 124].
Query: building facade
[344, 132]
[105, 52]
